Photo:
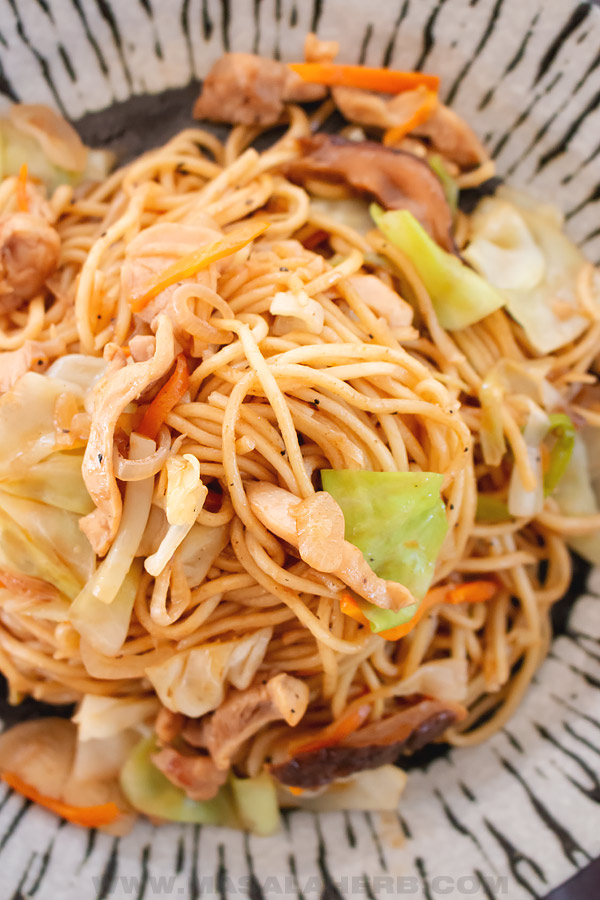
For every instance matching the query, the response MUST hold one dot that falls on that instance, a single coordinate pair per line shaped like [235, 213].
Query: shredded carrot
[420, 115]
[167, 398]
[472, 592]
[335, 733]
[199, 259]
[389, 81]
[87, 816]
[469, 592]
[350, 607]
[297, 791]
[21, 189]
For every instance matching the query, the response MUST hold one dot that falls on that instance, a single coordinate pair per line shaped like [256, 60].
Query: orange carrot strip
[388, 81]
[350, 607]
[297, 791]
[21, 189]
[421, 114]
[472, 592]
[432, 598]
[199, 259]
[167, 398]
[87, 816]
[335, 733]
[469, 592]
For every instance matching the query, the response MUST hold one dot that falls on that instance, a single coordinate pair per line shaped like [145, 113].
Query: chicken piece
[300, 524]
[197, 775]
[142, 347]
[320, 532]
[318, 51]
[121, 385]
[451, 136]
[32, 356]
[246, 712]
[382, 300]
[396, 179]
[376, 110]
[29, 252]
[168, 725]
[29, 586]
[152, 251]
[244, 89]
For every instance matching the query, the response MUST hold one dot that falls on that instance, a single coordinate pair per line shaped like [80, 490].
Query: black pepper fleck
[100, 457]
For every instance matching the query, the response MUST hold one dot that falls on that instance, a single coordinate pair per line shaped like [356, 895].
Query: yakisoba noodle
[278, 405]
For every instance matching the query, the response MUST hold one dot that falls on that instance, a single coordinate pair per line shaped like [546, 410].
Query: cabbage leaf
[45, 542]
[105, 625]
[55, 480]
[575, 496]
[16, 147]
[249, 803]
[521, 250]
[398, 521]
[193, 681]
[151, 792]
[459, 295]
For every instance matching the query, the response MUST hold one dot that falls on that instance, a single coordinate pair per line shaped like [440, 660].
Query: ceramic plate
[520, 814]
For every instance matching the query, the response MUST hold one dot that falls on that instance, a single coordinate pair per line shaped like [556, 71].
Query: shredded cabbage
[450, 185]
[563, 429]
[100, 717]
[525, 378]
[80, 372]
[521, 250]
[150, 792]
[46, 542]
[55, 480]
[406, 550]
[105, 625]
[350, 211]
[184, 498]
[523, 501]
[27, 430]
[410, 504]
[575, 496]
[491, 509]
[199, 550]
[459, 295]
[249, 803]
[193, 681]
[503, 248]
[256, 803]
[297, 310]
[17, 147]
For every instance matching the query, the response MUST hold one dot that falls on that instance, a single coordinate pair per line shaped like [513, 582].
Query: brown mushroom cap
[396, 179]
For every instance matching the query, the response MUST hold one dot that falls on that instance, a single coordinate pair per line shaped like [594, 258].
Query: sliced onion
[40, 752]
[521, 501]
[140, 469]
[59, 140]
